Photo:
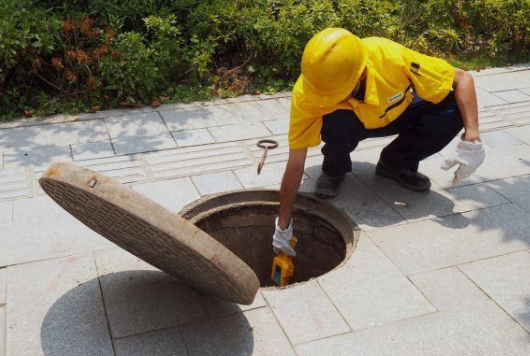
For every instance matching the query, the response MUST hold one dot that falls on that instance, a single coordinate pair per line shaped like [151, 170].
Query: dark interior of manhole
[247, 231]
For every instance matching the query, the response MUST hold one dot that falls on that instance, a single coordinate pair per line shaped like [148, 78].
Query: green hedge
[59, 55]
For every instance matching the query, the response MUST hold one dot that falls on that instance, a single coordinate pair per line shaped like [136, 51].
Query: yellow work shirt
[393, 71]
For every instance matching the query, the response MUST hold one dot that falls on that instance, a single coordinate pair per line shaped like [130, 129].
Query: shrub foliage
[100, 52]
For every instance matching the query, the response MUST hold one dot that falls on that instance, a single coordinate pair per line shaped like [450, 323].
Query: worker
[351, 89]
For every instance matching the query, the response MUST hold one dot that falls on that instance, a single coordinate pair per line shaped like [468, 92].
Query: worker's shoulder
[384, 49]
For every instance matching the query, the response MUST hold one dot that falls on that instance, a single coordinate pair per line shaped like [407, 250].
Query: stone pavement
[449, 274]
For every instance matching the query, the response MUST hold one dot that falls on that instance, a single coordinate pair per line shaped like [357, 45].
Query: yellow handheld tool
[283, 267]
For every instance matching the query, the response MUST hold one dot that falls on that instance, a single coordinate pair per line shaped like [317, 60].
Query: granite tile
[507, 281]
[448, 289]
[216, 183]
[203, 117]
[131, 145]
[135, 126]
[193, 137]
[521, 133]
[305, 312]
[264, 110]
[255, 332]
[481, 330]
[216, 307]
[271, 174]
[37, 156]
[3, 287]
[497, 139]
[172, 194]
[166, 342]
[485, 98]
[92, 150]
[42, 207]
[512, 96]
[6, 211]
[238, 132]
[514, 189]
[139, 298]
[506, 81]
[277, 127]
[47, 238]
[478, 196]
[2, 330]
[370, 291]
[55, 308]
[429, 245]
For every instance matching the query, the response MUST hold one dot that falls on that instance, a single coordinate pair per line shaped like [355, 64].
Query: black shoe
[410, 180]
[328, 186]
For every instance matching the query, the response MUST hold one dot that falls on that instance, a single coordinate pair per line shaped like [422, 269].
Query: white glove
[282, 238]
[468, 155]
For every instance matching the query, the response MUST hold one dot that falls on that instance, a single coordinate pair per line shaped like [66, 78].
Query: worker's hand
[468, 155]
[282, 239]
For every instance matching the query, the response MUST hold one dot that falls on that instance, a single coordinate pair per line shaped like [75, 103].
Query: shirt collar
[370, 95]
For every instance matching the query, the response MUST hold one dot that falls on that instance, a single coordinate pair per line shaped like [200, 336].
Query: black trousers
[423, 130]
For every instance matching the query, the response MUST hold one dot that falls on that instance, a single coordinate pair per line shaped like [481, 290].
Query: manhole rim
[227, 198]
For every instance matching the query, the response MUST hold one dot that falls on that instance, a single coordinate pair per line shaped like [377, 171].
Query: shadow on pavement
[80, 324]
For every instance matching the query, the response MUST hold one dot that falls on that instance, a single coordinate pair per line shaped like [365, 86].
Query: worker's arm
[466, 99]
[290, 184]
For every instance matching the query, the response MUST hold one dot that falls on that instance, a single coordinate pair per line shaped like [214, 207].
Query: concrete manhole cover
[243, 222]
[151, 232]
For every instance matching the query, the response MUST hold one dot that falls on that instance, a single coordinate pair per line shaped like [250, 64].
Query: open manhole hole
[243, 222]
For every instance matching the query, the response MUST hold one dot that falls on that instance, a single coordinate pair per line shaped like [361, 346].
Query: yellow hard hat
[332, 64]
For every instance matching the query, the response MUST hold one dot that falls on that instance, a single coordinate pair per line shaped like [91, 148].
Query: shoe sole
[386, 173]
[327, 196]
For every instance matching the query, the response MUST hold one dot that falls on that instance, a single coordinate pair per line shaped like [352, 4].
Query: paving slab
[193, 137]
[514, 189]
[203, 117]
[410, 205]
[139, 298]
[2, 330]
[305, 313]
[512, 96]
[521, 133]
[47, 238]
[37, 156]
[507, 281]
[135, 126]
[264, 110]
[3, 286]
[42, 207]
[216, 307]
[481, 330]
[272, 173]
[277, 127]
[214, 183]
[499, 164]
[358, 201]
[92, 150]
[370, 291]
[516, 113]
[131, 145]
[489, 121]
[125, 169]
[478, 196]
[238, 132]
[505, 81]
[485, 98]
[448, 288]
[62, 134]
[196, 160]
[255, 332]
[55, 308]
[172, 194]
[429, 245]
[286, 103]
[6, 211]
[497, 139]
[158, 343]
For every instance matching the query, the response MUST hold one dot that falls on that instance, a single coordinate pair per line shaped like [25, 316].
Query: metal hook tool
[267, 145]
